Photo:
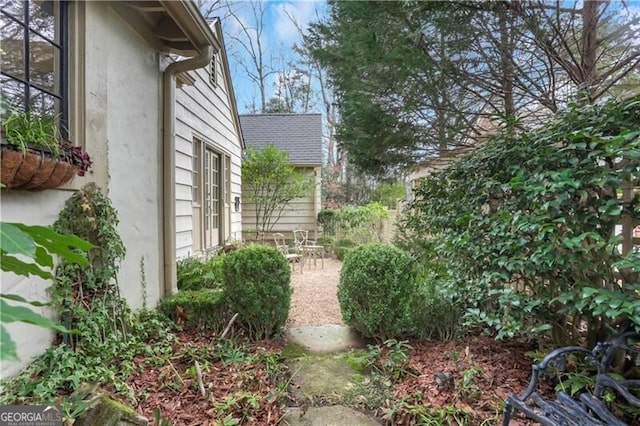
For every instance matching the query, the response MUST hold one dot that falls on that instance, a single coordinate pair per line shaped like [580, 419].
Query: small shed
[300, 135]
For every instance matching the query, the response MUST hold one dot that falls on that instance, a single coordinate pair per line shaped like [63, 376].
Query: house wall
[204, 112]
[301, 213]
[134, 133]
[114, 115]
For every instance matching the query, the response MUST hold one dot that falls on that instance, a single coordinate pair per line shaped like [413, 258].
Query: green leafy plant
[31, 130]
[257, 283]
[436, 310]
[527, 221]
[391, 359]
[342, 247]
[206, 309]
[196, 274]
[106, 334]
[466, 387]
[388, 193]
[377, 283]
[270, 182]
[25, 129]
[327, 219]
[30, 250]
[362, 224]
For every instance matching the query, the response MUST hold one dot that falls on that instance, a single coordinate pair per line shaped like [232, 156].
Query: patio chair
[282, 246]
[308, 248]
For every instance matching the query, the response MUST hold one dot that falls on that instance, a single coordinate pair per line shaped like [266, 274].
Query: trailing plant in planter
[34, 154]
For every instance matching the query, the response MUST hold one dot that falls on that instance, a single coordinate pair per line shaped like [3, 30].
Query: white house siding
[115, 116]
[204, 113]
[300, 213]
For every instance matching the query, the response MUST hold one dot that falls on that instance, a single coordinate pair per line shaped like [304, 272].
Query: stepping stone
[325, 338]
[322, 379]
[336, 415]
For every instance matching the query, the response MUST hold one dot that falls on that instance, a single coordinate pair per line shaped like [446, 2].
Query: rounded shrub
[377, 283]
[257, 282]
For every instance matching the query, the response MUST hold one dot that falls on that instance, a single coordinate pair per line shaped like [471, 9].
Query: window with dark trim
[33, 62]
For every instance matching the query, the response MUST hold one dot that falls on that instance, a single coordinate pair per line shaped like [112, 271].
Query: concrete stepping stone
[322, 379]
[335, 415]
[325, 338]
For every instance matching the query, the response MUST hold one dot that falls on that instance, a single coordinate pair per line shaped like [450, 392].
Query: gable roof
[298, 134]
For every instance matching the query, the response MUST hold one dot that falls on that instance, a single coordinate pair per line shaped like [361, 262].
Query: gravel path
[314, 300]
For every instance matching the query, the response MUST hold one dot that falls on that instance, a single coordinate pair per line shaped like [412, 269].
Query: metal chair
[308, 248]
[282, 246]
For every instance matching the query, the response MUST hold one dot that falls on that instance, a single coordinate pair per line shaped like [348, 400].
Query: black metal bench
[587, 408]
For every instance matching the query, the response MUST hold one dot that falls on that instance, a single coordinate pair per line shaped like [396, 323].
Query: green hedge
[195, 274]
[377, 283]
[343, 247]
[206, 309]
[257, 282]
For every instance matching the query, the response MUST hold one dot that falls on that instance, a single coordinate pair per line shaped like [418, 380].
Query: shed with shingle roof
[300, 135]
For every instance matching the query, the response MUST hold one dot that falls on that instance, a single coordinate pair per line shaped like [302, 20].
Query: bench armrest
[536, 369]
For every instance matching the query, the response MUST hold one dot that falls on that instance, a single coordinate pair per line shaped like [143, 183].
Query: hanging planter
[32, 156]
[34, 170]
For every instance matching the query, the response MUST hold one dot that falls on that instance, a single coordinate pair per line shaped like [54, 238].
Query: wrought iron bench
[587, 408]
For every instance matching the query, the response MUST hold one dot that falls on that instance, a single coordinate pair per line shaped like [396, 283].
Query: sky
[279, 36]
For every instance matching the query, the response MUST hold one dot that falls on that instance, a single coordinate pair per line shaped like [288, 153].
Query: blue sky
[279, 36]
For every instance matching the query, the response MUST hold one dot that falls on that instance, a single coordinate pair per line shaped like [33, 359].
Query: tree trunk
[589, 55]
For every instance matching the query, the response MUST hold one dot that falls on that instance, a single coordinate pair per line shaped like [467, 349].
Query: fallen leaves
[244, 390]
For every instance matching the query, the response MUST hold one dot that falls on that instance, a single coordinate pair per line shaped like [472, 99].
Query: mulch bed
[494, 369]
[246, 391]
[243, 389]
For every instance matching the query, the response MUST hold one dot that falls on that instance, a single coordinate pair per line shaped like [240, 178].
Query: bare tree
[594, 42]
[248, 42]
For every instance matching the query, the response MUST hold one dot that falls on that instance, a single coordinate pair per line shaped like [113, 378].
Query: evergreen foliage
[527, 223]
[377, 283]
[196, 274]
[257, 283]
[204, 309]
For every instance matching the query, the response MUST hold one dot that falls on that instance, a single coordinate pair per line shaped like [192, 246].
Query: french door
[212, 197]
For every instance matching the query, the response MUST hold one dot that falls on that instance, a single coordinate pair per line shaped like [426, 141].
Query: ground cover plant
[137, 356]
[205, 381]
[105, 334]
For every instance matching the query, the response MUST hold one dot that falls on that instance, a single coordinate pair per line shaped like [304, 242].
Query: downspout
[169, 163]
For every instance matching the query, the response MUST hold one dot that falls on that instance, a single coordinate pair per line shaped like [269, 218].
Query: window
[213, 76]
[33, 56]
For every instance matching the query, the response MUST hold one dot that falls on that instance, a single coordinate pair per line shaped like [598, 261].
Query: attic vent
[213, 78]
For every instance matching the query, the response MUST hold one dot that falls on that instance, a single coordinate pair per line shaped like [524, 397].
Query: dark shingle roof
[298, 134]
